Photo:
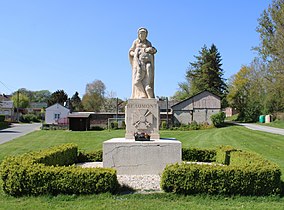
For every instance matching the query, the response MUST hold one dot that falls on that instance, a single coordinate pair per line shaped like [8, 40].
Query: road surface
[17, 130]
[268, 129]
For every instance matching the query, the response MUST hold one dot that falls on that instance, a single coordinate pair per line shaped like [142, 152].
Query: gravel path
[144, 183]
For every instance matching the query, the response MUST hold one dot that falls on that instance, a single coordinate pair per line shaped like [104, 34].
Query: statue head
[142, 33]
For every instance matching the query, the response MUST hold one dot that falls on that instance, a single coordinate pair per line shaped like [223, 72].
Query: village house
[56, 114]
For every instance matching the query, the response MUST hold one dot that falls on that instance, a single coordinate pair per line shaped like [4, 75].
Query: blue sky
[65, 44]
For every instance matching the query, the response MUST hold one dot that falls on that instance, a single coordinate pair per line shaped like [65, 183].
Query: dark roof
[194, 96]
[79, 115]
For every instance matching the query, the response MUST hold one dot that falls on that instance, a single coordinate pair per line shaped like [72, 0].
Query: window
[56, 116]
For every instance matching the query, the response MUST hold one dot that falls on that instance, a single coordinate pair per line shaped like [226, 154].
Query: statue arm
[150, 49]
[132, 49]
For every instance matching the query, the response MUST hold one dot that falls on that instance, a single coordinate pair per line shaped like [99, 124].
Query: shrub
[97, 128]
[114, 125]
[248, 174]
[39, 173]
[4, 125]
[218, 119]
[94, 156]
[27, 118]
[194, 126]
[223, 154]
[123, 125]
[2, 118]
[164, 125]
[200, 155]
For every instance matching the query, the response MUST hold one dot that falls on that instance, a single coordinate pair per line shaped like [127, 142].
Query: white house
[198, 108]
[7, 109]
[56, 113]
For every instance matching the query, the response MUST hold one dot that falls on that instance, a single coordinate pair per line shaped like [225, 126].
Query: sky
[65, 44]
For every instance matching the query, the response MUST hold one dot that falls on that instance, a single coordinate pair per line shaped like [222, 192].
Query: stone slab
[142, 115]
[140, 157]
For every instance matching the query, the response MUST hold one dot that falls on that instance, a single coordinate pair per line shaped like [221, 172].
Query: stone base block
[140, 157]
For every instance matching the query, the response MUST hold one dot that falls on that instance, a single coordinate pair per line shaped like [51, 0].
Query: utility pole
[116, 109]
[167, 101]
[18, 102]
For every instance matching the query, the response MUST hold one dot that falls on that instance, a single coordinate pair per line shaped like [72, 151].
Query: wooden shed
[197, 108]
[79, 121]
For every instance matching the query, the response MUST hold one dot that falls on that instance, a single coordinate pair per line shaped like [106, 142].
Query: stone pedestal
[140, 157]
[143, 116]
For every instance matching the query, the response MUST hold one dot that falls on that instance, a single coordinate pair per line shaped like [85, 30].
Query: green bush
[194, 126]
[223, 154]
[114, 125]
[97, 128]
[94, 156]
[2, 118]
[200, 155]
[164, 125]
[4, 125]
[218, 119]
[248, 174]
[27, 118]
[40, 173]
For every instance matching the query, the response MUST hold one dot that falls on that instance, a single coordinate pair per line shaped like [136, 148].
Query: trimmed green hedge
[40, 173]
[200, 155]
[248, 174]
[93, 156]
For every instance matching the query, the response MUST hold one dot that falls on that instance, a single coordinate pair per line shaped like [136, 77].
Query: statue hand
[150, 50]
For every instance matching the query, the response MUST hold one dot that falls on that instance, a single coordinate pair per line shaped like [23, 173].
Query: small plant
[164, 125]
[218, 119]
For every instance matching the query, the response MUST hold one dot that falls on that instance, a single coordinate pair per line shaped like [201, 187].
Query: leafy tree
[271, 50]
[183, 92]
[41, 96]
[76, 103]
[22, 98]
[97, 86]
[36, 96]
[58, 96]
[246, 92]
[204, 74]
[92, 102]
[94, 98]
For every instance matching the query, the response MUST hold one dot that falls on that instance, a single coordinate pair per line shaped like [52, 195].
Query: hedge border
[50, 172]
[247, 174]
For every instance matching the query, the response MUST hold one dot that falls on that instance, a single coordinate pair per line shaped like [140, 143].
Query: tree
[204, 74]
[36, 96]
[22, 98]
[271, 50]
[41, 96]
[247, 92]
[58, 96]
[76, 103]
[97, 86]
[93, 100]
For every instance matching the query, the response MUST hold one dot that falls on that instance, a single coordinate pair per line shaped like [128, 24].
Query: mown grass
[275, 124]
[270, 146]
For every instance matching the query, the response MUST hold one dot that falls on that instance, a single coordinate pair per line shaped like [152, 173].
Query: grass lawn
[275, 124]
[270, 146]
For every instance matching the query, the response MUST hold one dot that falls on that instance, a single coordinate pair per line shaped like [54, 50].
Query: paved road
[17, 130]
[262, 128]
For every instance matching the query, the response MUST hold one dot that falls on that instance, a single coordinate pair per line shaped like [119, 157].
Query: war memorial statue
[141, 151]
[142, 110]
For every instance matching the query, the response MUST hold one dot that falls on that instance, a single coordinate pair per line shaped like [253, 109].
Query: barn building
[197, 108]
